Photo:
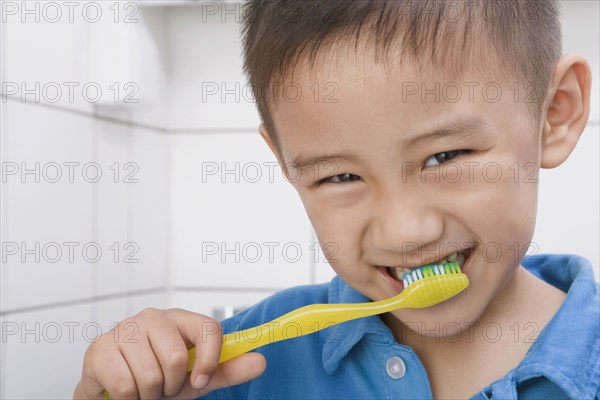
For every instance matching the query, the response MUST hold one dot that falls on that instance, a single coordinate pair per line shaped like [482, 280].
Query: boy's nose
[403, 224]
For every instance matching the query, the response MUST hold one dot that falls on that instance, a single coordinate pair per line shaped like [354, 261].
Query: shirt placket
[403, 374]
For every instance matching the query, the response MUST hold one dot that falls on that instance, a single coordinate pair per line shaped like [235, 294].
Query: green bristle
[428, 270]
[451, 268]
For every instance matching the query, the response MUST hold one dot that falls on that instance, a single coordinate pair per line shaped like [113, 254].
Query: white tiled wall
[207, 88]
[42, 351]
[43, 214]
[45, 305]
[49, 54]
[112, 148]
[233, 224]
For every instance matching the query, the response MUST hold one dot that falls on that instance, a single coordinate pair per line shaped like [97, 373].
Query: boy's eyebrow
[310, 161]
[460, 128]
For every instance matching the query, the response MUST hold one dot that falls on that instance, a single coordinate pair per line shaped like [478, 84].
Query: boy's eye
[443, 157]
[340, 178]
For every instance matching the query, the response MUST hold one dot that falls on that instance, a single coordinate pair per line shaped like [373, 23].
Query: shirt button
[395, 367]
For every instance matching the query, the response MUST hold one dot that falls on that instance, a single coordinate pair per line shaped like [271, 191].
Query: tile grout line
[92, 114]
[67, 303]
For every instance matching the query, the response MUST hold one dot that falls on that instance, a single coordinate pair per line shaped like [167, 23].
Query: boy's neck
[520, 311]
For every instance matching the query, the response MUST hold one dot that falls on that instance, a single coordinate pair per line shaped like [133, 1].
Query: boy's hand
[146, 356]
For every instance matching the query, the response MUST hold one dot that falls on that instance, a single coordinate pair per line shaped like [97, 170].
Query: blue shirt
[360, 359]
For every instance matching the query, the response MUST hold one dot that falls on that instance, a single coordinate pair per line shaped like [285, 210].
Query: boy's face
[422, 170]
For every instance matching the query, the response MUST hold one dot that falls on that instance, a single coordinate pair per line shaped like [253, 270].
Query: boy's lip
[398, 286]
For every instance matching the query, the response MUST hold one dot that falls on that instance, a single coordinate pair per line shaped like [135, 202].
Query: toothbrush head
[433, 283]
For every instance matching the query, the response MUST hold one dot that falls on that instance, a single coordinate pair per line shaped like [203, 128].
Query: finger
[172, 354]
[111, 372]
[234, 372]
[205, 333]
[144, 366]
[208, 352]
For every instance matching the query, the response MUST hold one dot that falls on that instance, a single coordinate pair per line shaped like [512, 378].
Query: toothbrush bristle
[428, 270]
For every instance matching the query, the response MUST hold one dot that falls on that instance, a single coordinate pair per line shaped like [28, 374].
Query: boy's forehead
[345, 61]
[347, 97]
[337, 79]
[337, 69]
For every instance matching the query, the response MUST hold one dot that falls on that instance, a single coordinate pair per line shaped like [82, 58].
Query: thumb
[233, 372]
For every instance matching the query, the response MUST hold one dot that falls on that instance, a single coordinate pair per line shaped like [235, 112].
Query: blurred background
[133, 176]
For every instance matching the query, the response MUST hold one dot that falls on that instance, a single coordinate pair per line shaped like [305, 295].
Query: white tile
[45, 215]
[153, 76]
[132, 56]
[242, 229]
[107, 313]
[48, 54]
[149, 210]
[114, 60]
[205, 50]
[138, 302]
[45, 347]
[112, 153]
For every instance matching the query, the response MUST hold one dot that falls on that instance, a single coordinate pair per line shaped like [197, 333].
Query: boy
[437, 111]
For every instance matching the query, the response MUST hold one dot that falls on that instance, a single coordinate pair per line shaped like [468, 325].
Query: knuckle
[208, 367]
[88, 361]
[177, 358]
[149, 312]
[174, 312]
[124, 389]
[152, 378]
[91, 353]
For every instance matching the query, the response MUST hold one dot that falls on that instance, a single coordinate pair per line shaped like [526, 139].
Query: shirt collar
[568, 345]
[568, 349]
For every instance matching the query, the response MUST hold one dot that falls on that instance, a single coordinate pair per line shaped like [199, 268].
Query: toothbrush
[425, 286]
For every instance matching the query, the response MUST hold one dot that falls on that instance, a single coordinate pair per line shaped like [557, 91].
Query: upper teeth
[458, 256]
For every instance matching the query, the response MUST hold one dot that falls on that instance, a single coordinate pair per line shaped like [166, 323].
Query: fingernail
[201, 381]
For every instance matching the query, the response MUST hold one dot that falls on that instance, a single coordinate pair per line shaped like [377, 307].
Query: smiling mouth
[460, 257]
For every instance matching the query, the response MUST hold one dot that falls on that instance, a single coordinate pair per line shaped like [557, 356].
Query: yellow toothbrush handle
[315, 317]
[300, 322]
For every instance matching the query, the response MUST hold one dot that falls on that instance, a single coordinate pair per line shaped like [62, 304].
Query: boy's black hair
[513, 39]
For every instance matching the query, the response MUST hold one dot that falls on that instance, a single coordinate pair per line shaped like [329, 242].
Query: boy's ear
[568, 109]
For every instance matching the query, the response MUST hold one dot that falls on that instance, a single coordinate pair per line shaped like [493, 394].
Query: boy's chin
[446, 320]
